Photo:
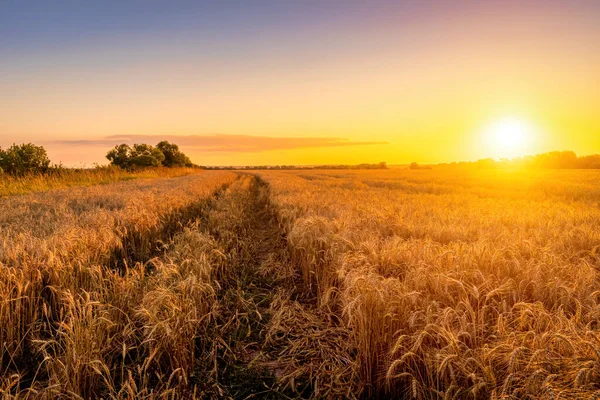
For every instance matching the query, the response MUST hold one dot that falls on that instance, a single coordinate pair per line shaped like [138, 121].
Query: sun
[509, 137]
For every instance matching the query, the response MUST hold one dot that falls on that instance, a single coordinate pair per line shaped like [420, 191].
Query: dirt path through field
[243, 222]
[274, 342]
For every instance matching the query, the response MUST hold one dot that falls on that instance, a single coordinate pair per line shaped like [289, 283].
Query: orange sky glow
[346, 84]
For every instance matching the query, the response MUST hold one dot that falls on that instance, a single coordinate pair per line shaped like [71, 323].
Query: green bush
[20, 159]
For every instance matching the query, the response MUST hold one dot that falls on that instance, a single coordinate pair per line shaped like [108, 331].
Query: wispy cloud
[221, 143]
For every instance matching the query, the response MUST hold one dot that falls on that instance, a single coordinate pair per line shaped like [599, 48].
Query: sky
[300, 82]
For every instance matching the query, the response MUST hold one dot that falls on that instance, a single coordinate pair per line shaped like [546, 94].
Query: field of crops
[304, 284]
[79, 315]
[455, 284]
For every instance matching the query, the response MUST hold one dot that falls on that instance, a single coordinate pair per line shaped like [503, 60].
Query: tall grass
[76, 325]
[67, 177]
[478, 284]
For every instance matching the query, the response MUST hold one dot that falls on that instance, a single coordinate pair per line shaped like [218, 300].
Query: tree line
[28, 158]
[550, 160]
[381, 165]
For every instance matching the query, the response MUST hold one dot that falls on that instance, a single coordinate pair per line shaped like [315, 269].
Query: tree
[145, 155]
[486, 163]
[24, 158]
[173, 156]
[556, 159]
[592, 161]
[414, 165]
[120, 155]
[140, 155]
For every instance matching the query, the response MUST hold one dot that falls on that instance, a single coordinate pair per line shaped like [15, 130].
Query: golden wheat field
[455, 284]
[64, 177]
[425, 284]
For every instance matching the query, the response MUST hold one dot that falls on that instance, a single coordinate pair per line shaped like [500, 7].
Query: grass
[304, 284]
[66, 177]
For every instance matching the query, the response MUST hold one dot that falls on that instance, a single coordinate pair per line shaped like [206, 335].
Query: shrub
[20, 159]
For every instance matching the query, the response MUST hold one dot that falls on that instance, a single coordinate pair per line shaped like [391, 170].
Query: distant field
[303, 284]
[64, 177]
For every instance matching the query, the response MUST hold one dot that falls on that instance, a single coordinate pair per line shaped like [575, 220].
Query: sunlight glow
[509, 137]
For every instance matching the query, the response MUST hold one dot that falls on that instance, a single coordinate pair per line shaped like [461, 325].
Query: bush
[20, 159]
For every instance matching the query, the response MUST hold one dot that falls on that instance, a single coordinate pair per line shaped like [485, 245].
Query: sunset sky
[300, 82]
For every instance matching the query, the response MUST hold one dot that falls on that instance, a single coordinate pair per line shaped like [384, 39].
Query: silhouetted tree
[588, 162]
[486, 163]
[556, 159]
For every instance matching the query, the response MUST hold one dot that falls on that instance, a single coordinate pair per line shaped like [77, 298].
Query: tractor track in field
[257, 255]
[274, 342]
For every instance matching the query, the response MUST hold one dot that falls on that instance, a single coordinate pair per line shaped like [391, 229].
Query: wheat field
[455, 284]
[425, 284]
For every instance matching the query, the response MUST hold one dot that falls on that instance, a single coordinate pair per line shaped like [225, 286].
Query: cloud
[221, 143]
